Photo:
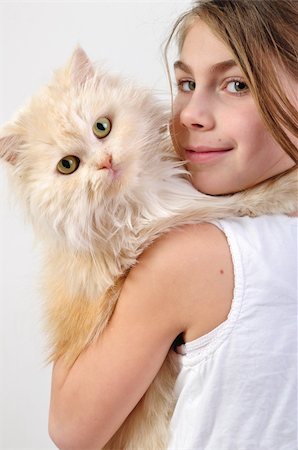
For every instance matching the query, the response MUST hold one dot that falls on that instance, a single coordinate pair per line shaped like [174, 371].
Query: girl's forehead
[202, 46]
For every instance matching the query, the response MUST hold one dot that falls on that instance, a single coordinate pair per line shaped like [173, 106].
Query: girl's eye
[236, 87]
[68, 165]
[186, 85]
[102, 127]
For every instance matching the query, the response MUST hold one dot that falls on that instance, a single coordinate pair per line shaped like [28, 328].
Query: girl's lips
[205, 154]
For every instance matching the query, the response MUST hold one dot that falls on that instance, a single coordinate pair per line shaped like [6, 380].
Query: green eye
[68, 164]
[102, 127]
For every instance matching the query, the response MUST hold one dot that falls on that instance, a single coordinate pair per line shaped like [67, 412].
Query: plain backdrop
[36, 38]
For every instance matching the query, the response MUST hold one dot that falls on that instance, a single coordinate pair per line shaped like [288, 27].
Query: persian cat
[91, 159]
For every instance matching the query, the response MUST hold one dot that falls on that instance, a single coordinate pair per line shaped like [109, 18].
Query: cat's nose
[106, 163]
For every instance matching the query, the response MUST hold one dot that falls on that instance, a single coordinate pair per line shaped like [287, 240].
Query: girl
[226, 288]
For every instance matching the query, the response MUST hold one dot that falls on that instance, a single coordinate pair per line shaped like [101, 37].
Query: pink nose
[106, 163]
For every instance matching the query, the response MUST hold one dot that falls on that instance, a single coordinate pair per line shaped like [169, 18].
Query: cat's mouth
[108, 166]
[113, 172]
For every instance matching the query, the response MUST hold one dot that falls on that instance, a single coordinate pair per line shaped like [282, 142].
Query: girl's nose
[198, 113]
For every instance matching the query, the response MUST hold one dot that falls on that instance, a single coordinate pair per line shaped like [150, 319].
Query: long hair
[263, 36]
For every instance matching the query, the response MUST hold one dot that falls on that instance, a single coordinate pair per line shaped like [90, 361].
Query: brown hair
[262, 35]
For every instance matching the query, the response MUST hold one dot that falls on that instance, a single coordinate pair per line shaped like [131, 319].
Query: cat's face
[80, 148]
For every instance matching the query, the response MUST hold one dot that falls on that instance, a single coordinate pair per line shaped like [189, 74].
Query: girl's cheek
[176, 117]
[178, 104]
[175, 131]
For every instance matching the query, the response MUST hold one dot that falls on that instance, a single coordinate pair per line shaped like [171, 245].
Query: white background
[35, 38]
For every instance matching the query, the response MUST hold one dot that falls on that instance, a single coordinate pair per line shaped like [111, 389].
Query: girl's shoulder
[190, 270]
[187, 240]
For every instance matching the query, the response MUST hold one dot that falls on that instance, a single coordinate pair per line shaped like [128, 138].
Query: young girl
[228, 289]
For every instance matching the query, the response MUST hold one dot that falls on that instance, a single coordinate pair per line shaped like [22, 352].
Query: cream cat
[92, 162]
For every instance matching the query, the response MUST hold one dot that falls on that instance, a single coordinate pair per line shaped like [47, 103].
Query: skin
[184, 281]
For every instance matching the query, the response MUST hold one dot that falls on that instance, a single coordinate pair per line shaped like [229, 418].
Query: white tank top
[237, 386]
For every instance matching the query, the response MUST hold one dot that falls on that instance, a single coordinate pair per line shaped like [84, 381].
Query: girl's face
[216, 125]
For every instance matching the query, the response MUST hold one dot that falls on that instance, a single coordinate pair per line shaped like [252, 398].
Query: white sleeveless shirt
[237, 386]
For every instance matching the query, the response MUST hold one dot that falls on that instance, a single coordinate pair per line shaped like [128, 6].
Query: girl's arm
[158, 302]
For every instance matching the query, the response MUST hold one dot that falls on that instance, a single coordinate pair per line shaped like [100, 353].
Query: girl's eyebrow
[181, 65]
[218, 67]
[223, 66]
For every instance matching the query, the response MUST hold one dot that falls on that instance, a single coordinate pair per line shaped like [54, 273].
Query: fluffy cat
[92, 162]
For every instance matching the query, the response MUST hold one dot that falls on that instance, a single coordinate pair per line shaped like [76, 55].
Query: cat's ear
[80, 66]
[9, 146]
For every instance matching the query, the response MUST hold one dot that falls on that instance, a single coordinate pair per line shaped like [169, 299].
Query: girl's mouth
[205, 154]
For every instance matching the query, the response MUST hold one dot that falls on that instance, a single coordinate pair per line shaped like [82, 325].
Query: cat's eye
[68, 164]
[102, 127]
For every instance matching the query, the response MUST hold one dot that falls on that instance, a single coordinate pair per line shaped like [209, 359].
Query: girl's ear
[9, 146]
[80, 67]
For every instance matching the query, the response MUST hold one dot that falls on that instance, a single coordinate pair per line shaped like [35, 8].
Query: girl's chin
[214, 189]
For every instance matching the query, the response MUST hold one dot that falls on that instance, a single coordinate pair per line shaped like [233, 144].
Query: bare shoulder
[189, 274]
